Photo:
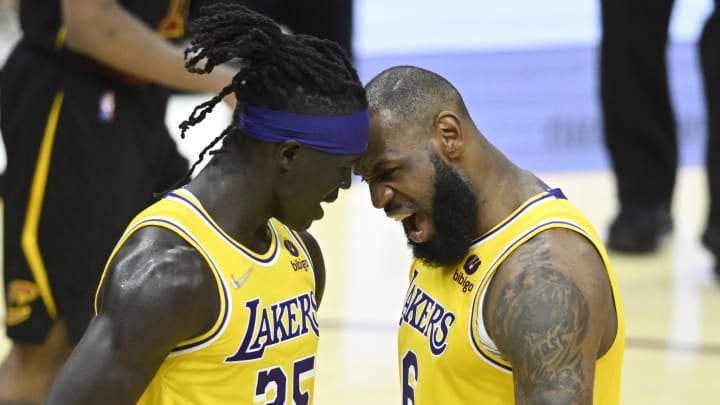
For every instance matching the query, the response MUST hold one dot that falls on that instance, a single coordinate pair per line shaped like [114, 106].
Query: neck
[501, 187]
[236, 197]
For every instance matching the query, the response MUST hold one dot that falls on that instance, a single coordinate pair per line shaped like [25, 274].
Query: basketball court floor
[529, 81]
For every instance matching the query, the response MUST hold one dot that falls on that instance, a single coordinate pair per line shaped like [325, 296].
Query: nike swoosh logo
[239, 282]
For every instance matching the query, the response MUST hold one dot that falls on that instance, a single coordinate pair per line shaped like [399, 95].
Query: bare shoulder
[548, 309]
[157, 292]
[157, 272]
[554, 261]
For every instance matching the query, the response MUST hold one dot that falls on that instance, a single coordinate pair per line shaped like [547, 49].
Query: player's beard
[454, 215]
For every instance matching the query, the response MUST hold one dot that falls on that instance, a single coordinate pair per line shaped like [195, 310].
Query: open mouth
[416, 225]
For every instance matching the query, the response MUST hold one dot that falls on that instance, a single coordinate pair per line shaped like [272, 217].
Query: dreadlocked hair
[295, 73]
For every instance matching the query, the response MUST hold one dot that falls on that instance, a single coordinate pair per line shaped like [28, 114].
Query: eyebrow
[379, 165]
[389, 156]
[355, 171]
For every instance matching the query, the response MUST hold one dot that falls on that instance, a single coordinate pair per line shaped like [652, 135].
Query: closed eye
[386, 174]
[382, 175]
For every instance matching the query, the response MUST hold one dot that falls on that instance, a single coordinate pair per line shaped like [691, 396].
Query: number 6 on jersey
[409, 377]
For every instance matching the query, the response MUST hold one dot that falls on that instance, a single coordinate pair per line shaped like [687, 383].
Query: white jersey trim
[483, 336]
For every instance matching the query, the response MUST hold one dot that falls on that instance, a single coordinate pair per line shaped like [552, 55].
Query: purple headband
[338, 134]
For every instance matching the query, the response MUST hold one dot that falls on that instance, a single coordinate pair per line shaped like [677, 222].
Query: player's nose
[380, 195]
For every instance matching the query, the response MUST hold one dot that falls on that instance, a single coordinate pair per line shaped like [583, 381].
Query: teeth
[400, 217]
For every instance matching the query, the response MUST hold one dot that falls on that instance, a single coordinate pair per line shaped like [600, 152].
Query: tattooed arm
[549, 310]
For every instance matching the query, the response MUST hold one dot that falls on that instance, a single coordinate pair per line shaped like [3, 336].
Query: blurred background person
[9, 34]
[328, 19]
[82, 109]
[639, 123]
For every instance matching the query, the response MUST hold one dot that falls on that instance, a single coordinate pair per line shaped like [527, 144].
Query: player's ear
[287, 154]
[448, 134]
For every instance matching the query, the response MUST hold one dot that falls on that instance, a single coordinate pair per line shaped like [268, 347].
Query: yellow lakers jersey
[445, 354]
[262, 347]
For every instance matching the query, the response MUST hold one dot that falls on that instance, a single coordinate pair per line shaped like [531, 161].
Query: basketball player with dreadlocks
[210, 296]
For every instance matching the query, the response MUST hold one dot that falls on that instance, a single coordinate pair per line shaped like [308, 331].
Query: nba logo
[107, 106]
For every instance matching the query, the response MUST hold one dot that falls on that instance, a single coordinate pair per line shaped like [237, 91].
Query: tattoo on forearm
[541, 319]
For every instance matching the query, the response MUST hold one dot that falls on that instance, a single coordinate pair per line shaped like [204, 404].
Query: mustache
[394, 206]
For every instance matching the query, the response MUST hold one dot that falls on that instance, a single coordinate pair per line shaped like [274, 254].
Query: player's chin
[300, 219]
[303, 224]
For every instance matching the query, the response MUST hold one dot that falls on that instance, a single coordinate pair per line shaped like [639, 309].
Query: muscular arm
[108, 33]
[158, 292]
[318, 264]
[547, 310]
